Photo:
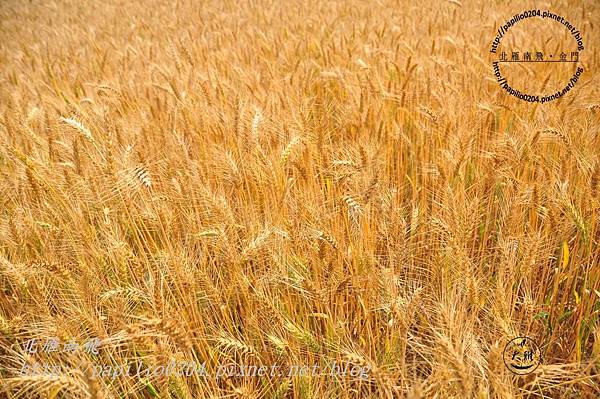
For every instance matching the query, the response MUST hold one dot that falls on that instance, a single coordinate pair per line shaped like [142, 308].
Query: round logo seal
[522, 355]
[536, 56]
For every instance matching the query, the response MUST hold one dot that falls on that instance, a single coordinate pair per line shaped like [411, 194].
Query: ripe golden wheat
[293, 183]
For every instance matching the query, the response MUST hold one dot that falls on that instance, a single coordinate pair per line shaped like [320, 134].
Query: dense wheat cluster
[292, 183]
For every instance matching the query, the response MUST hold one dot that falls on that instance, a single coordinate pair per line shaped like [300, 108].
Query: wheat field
[294, 183]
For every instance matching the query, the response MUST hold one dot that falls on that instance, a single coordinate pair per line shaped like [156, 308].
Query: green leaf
[151, 390]
[565, 316]
[541, 315]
